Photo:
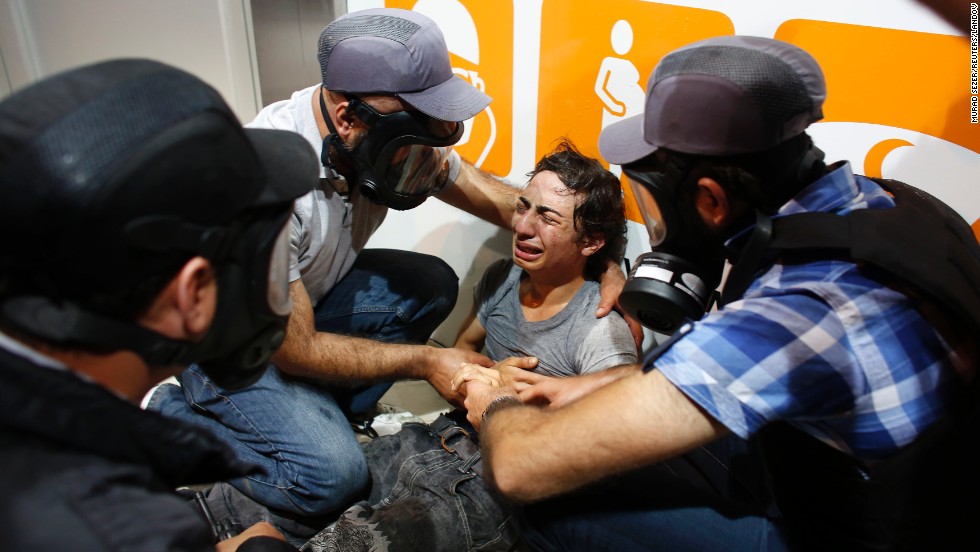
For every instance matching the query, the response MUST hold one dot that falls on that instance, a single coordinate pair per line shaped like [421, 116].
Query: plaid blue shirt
[820, 345]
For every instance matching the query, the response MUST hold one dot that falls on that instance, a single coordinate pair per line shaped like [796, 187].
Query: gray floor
[417, 397]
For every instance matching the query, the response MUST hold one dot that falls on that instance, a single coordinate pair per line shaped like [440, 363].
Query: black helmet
[115, 174]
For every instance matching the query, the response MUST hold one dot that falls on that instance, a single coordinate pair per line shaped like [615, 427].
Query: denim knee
[168, 399]
[444, 285]
[340, 479]
[427, 281]
[311, 461]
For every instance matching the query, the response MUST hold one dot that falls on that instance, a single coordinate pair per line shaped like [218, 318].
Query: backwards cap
[722, 96]
[87, 153]
[400, 52]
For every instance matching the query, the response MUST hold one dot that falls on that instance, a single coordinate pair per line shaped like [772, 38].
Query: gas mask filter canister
[663, 291]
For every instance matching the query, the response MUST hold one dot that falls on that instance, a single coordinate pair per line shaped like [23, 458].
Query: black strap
[812, 231]
[744, 270]
[69, 324]
[921, 242]
[325, 159]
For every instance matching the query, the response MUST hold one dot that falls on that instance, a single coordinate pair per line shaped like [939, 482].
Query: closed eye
[522, 204]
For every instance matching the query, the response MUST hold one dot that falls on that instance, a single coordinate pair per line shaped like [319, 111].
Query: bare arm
[473, 335]
[541, 390]
[480, 193]
[557, 392]
[635, 421]
[610, 286]
[340, 358]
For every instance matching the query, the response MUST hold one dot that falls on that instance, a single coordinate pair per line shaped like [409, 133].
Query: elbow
[510, 487]
[513, 482]
[286, 359]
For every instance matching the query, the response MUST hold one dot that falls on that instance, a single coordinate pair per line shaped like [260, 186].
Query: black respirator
[401, 160]
[676, 281]
[249, 325]
[251, 263]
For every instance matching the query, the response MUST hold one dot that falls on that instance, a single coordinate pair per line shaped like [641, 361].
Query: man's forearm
[341, 358]
[605, 377]
[333, 357]
[533, 453]
[479, 193]
[558, 392]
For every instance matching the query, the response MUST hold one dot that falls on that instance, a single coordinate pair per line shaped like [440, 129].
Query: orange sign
[911, 80]
[903, 79]
[595, 64]
[480, 38]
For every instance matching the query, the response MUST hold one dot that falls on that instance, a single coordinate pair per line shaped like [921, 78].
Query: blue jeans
[296, 429]
[427, 494]
[711, 499]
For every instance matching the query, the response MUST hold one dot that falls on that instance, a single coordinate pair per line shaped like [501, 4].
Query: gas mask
[250, 256]
[253, 302]
[251, 261]
[676, 281]
[400, 162]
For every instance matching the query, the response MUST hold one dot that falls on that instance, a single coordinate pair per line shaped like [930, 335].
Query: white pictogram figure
[618, 83]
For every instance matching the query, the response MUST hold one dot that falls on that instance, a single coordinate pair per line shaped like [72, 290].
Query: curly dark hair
[600, 212]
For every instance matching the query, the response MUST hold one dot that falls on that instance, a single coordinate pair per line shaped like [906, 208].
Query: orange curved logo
[902, 79]
[876, 156]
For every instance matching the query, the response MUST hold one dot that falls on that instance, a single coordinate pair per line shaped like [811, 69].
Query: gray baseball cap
[85, 153]
[400, 52]
[722, 96]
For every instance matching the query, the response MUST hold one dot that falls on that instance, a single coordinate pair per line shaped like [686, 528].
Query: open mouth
[526, 252]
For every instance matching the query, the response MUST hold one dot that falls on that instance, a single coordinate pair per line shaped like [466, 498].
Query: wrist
[422, 366]
[500, 403]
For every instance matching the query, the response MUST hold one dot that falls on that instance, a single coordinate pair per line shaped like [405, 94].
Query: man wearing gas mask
[850, 376]
[384, 119]
[141, 229]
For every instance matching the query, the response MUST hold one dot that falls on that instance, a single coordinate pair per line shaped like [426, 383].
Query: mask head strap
[748, 259]
[331, 139]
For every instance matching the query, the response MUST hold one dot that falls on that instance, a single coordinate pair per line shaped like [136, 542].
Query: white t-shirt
[326, 231]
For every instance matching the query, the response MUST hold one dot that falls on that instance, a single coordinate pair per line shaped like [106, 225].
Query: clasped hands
[480, 385]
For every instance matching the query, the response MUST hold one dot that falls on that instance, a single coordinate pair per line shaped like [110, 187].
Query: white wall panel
[209, 38]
